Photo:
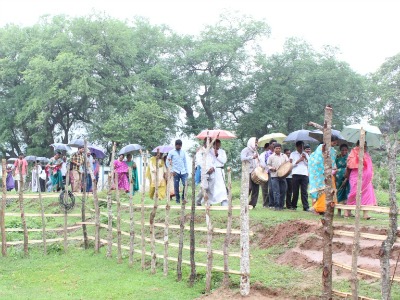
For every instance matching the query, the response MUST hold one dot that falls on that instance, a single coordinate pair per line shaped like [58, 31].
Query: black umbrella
[319, 135]
[300, 135]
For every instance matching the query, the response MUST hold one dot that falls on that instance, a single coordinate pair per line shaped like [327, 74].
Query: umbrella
[11, 159]
[222, 134]
[372, 134]
[61, 147]
[129, 149]
[300, 135]
[279, 137]
[31, 158]
[78, 143]
[163, 149]
[43, 159]
[319, 136]
[98, 151]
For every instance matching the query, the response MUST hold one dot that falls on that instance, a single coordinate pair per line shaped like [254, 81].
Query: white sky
[367, 32]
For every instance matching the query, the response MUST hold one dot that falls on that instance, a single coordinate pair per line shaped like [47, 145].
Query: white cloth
[35, 178]
[248, 154]
[199, 157]
[217, 192]
[302, 167]
[42, 174]
[262, 160]
[63, 169]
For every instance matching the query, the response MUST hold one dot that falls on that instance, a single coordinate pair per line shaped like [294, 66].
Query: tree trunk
[244, 232]
[152, 216]
[22, 209]
[3, 209]
[131, 219]
[84, 228]
[142, 210]
[181, 234]
[356, 241]
[111, 183]
[328, 217]
[387, 245]
[166, 228]
[192, 233]
[228, 230]
[119, 248]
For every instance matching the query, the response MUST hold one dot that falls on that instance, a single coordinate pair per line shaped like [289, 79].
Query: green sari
[55, 174]
[342, 185]
[131, 164]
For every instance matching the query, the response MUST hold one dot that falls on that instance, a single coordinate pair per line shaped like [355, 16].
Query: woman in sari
[316, 175]
[367, 189]
[151, 175]
[10, 180]
[121, 168]
[135, 180]
[341, 180]
[54, 167]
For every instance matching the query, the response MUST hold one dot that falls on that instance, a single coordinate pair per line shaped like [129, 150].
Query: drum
[285, 169]
[259, 176]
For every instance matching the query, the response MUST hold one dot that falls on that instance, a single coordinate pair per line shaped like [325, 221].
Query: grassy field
[81, 274]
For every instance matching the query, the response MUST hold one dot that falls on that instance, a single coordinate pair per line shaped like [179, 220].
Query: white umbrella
[279, 137]
[372, 134]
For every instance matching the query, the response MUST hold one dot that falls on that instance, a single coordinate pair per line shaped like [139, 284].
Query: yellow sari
[151, 176]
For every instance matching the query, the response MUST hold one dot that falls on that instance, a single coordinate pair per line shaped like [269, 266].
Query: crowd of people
[305, 176]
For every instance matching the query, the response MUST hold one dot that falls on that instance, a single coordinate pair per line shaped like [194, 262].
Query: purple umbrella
[98, 151]
[163, 149]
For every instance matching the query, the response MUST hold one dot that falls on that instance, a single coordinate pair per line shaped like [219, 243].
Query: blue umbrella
[98, 151]
[78, 143]
[61, 147]
[129, 149]
[300, 135]
[163, 149]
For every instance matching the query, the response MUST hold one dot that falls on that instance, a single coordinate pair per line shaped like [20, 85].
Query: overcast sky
[367, 32]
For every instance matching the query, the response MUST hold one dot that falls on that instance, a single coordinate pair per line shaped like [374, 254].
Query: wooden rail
[370, 236]
[348, 295]
[41, 241]
[363, 271]
[40, 215]
[379, 209]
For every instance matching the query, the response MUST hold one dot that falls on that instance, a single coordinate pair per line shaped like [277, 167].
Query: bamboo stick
[96, 209]
[119, 249]
[346, 295]
[166, 228]
[3, 209]
[41, 211]
[362, 271]
[142, 209]
[152, 216]
[84, 229]
[356, 241]
[379, 209]
[371, 236]
[192, 232]
[244, 231]
[79, 225]
[181, 234]
[65, 211]
[15, 243]
[111, 183]
[21, 207]
[131, 219]
[228, 229]
[39, 215]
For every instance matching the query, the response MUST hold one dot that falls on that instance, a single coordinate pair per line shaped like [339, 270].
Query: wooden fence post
[131, 218]
[328, 217]
[192, 232]
[41, 211]
[142, 210]
[356, 241]
[65, 212]
[84, 228]
[21, 207]
[152, 216]
[96, 210]
[166, 228]
[387, 245]
[244, 232]
[181, 233]
[228, 230]
[111, 183]
[3, 209]
[119, 248]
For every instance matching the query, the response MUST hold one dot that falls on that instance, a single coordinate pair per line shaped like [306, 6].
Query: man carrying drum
[275, 161]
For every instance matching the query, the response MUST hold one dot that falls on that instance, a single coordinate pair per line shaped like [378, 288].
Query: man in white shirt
[218, 193]
[299, 159]
[64, 169]
[278, 184]
[198, 165]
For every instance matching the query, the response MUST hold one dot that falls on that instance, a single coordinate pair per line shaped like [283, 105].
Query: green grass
[83, 275]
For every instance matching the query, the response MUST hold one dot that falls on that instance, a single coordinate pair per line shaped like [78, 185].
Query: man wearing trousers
[299, 159]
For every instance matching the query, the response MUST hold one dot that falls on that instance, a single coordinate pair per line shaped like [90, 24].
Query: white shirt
[275, 161]
[302, 167]
[262, 160]
[248, 154]
[64, 169]
[220, 160]
[199, 157]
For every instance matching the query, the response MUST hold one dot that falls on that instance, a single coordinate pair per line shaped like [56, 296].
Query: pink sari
[367, 189]
[121, 168]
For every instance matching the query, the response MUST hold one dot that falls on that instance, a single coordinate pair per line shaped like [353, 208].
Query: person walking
[278, 184]
[177, 157]
[22, 164]
[289, 184]
[77, 169]
[250, 154]
[299, 159]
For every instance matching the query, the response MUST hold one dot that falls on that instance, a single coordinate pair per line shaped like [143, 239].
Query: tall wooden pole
[228, 230]
[111, 183]
[181, 233]
[356, 241]
[328, 217]
[96, 210]
[21, 207]
[41, 211]
[152, 217]
[166, 228]
[131, 219]
[192, 232]
[244, 231]
[65, 212]
[119, 237]
[84, 228]
[3, 209]
[142, 210]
